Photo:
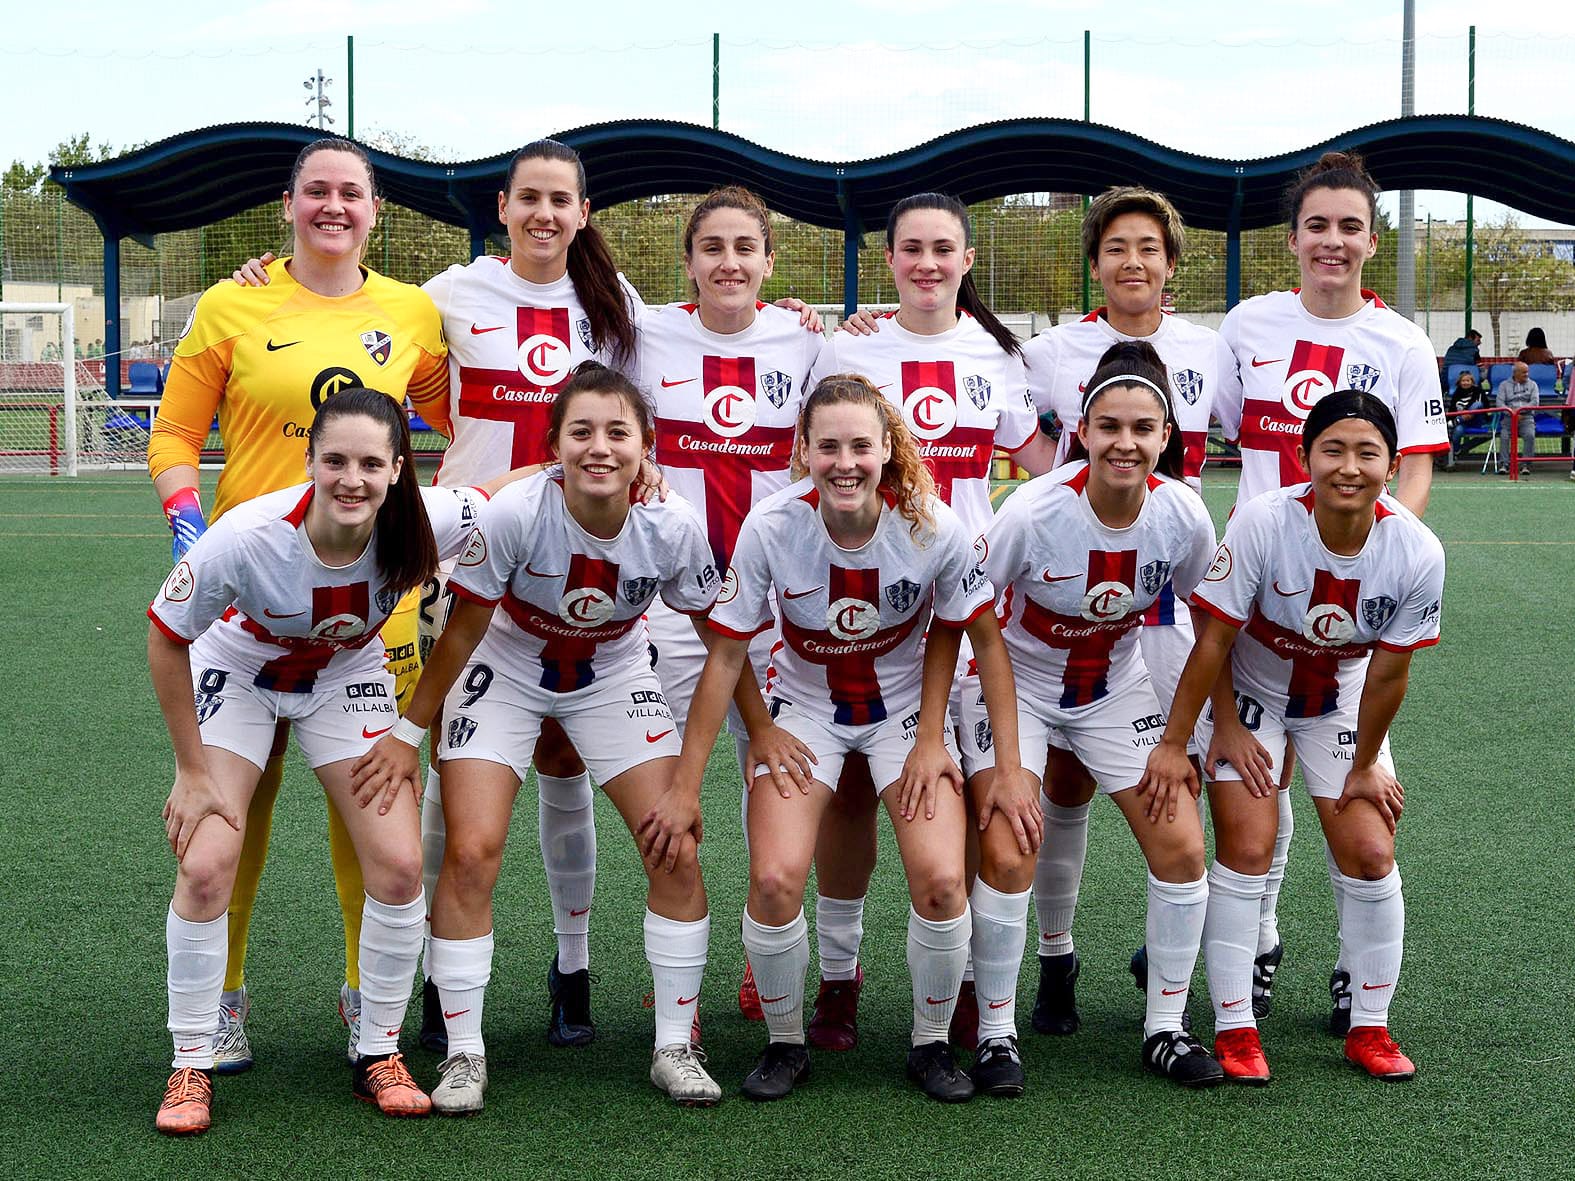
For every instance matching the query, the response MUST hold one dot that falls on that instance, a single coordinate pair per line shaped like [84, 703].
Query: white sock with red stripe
[566, 815]
[1269, 908]
[839, 932]
[1175, 932]
[1058, 873]
[1000, 931]
[198, 953]
[461, 969]
[433, 835]
[390, 945]
[676, 951]
[778, 958]
[937, 955]
[1229, 942]
[1373, 945]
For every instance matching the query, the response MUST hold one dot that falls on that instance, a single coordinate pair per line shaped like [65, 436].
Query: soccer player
[277, 607]
[863, 559]
[1318, 597]
[1079, 557]
[1133, 239]
[1293, 348]
[264, 361]
[574, 565]
[956, 374]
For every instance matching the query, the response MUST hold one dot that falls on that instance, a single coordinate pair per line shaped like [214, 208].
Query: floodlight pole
[716, 81]
[350, 84]
[1471, 221]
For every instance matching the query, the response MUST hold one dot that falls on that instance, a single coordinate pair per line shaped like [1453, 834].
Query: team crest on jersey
[181, 582]
[1376, 612]
[1189, 384]
[978, 390]
[1106, 601]
[1219, 568]
[586, 606]
[475, 550]
[378, 345]
[729, 590]
[207, 705]
[776, 386]
[583, 327]
[1328, 625]
[1361, 377]
[1153, 577]
[637, 591]
[852, 619]
[902, 595]
[983, 735]
[386, 600]
[460, 731]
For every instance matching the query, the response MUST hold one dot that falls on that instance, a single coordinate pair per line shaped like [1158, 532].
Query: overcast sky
[471, 78]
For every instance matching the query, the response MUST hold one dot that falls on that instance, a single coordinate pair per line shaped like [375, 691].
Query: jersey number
[477, 681]
[1249, 710]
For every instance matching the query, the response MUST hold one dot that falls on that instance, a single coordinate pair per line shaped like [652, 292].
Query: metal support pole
[111, 310]
[478, 241]
[852, 238]
[350, 86]
[1233, 248]
[716, 81]
[1405, 264]
[1088, 279]
[1471, 220]
[1430, 274]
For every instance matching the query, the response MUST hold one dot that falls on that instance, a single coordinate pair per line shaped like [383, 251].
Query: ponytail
[968, 298]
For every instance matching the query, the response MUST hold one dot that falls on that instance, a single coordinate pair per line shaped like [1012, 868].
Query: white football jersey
[1203, 380]
[572, 603]
[263, 604]
[1073, 591]
[1288, 359]
[853, 621]
[1309, 618]
[961, 395]
[726, 408]
[512, 345]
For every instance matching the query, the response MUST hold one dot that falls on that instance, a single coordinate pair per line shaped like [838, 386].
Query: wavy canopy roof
[201, 176]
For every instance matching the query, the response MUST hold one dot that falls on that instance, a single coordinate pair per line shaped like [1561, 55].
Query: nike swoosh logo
[1257, 364]
[1376, 987]
[667, 385]
[393, 1032]
[930, 1000]
[538, 573]
[287, 615]
[574, 914]
[1057, 935]
[689, 1000]
[787, 594]
[186, 1049]
[1000, 1004]
[1173, 991]
[274, 348]
[365, 733]
[772, 1000]
[649, 737]
[447, 1016]
[1233, 1004]
[1059, 577]
[1285, 593]
[475, 331]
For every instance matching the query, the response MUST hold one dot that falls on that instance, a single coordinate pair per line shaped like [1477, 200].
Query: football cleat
[570, 1022]
[749, 996]
[780, 1067]
[964, 1030]
[998, 1068]
[187, 1109]
[1181, 1058]
[350, 1014]
[834, 1025]
[1055, 1006]
[1371, 1048]
[434, 1031]
[1340, 1002]
[1138, 966]
[1240, 1055]
[931, 1065]
[384, 1079]
[679, 1071]
[462, 1086]
[232, 1053]
[1263, 969]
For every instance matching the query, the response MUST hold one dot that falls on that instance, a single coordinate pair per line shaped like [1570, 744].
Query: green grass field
[1485, 848]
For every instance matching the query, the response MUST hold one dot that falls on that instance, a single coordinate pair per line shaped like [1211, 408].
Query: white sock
[1374, 943]
[746, 777]
[1000, 931]
[461, 969]
[1058, 873]
[1229, 939]
[198, 953]
[778, 958]
[566, 812]
[433, 835]
[937, 954]
[839, 932]
[1337, 885]
[1175, 932]
[676, 951]
[390, 944]
[1269, 908]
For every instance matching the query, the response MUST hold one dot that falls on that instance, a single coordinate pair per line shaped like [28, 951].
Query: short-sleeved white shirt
[961, 395]
[1288, 359]
[264, 605]
[853, 621]
[1073, 591]
[572, 602]
[1203, 380]
[1309, 617]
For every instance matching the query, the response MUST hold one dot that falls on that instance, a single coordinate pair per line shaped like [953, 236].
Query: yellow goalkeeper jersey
[265, 358]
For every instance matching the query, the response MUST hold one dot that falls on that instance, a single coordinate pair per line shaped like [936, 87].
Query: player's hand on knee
[1169, 773]
[1379, 788]
[927, 770]
[785, 758]
[660, 835]
[384, 769]
[192, 799]
[251, 273]
[1016, 796]
[1233, 743]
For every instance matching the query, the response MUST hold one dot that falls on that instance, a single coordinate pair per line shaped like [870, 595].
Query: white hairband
[1126, 379]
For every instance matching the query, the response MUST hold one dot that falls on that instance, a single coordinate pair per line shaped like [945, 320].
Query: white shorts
[1325, 747]
[679, 656]
[330, 724]
[1111, 737]
[618, 721]
[885, 744]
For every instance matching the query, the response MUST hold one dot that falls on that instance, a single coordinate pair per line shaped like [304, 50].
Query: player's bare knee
[1242, 853]
[1002, 864]
[394, 874]
[1368, 858]
[1179, 861]
[938, 892]
[777, 887]
[206, 879]
[471, 864]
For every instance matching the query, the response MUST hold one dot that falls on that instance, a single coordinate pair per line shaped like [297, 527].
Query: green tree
[1510, 273]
